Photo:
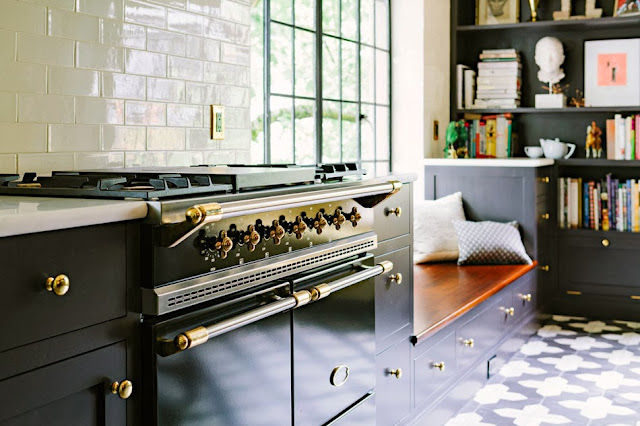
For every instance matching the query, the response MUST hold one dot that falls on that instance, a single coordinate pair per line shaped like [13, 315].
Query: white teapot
[555, 149]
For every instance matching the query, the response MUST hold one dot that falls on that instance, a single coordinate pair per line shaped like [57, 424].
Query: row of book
[490, 136]
[497, 83]
[607, 204]
[622, 142]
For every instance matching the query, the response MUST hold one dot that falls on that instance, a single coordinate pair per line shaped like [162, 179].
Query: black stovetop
[166, 182]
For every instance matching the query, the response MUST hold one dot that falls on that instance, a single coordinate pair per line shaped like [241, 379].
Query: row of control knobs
[276, 231]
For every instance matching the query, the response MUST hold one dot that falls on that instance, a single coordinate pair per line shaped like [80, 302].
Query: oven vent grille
[240, 283]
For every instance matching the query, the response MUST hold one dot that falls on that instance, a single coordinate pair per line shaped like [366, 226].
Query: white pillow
[435, 238]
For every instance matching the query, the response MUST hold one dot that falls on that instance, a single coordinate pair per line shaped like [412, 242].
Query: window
[321, 68]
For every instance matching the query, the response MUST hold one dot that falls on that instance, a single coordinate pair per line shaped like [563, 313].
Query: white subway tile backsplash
[99, 111]
[235, 96]
[236, 12]
[173, 3]
[8, 163]
[98, 160]
[185, 69]
[30, 78]
[23, 137]
[45, 50]
[165, 138]
[69, 81]
[8, 107]
[7, 45]
[37, 108]
[43, 164]
[145, 113]
[104, 8]
[118, 33]
[203, 48]
[184, 115]
[99, 57]
[123, 86]
[218, 73]
[220, 157]
[199, 140]
[185, 22]
[124, 138]
[21, 16]
[243, 35]
[166, 42]
[145, 159]
[73, 137]
[57, 4]
[73, 25]
[203, 94]
[236, 139]
[160, 89]
[145, 63]
[219, 30]
[243, 157]
[238, 118]
[234, 54]
[207, 7]
[145, 13]
[184, 158]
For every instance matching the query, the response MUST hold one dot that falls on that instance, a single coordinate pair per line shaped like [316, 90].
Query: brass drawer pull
[545, 268]
[526, 297]
[123, 390]
[510, 311]
[545, 179]
[397, 211]
[439, 366]
[545, 216]
[58, 285]
[397, 372]
[397, 278]
[606, 243]
[469, 343]
[337, 379]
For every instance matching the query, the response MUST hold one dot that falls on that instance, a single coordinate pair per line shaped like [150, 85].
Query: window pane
[257, 83]
[366, 22]
[281, 10]
[305, 123]
[369, 167]
[281, 130]
[382, 133]
[349, 132]
[331, 17]
[367, 76]
[281, 69]
[382, 77]
[367, 133]
[330, 132]
[350, 19]
[330, 68]
[382, 168]
[349, 71]
[305, 13]
[305, 64]
[382, 24]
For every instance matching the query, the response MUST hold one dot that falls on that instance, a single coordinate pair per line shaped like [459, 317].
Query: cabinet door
[75, 391]
[391, 222]
[393, 384]
[393, 296]
[434, 368]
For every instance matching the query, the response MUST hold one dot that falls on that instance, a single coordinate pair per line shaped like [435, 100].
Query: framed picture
[491, 12]
[612, 72]
[626, 7]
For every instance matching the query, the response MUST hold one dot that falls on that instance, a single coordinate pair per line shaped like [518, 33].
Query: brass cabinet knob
[544, 179]
[397, 211]
[339, 375]
[544, 268]
[397, 372]
[606, 243]
[123, 390]
[58, 285]
[469, 343]
[510, 311]
[526, 297]
[545, 216]
[439, 366]
[397, 278]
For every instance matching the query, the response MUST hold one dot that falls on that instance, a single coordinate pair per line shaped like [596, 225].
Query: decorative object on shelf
[564, 12]
[549, 56]
[489, 12]
[533, 151]
[555, 149]
[533, 5]
[456, 139]
[578, 100]
[612, 72]
[594, 141]
[591, 12]
[626, 7]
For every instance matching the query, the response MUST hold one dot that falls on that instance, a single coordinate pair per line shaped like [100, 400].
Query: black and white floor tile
[572, 372]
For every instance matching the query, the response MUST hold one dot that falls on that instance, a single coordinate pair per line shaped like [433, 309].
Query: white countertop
[489, 162]
[26, 215]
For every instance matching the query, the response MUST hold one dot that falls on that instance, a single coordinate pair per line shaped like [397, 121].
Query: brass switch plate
[217, 122]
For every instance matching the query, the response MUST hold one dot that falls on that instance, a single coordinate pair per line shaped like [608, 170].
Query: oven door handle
[199, 335]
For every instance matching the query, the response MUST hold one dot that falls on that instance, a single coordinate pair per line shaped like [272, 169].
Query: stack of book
[622, 143]
[608, 204]
[490, 136]
[499, 80]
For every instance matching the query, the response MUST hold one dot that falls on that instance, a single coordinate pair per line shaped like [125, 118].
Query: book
[491, 130]
[561, 203]
[511, 65]
[499, 51]
[627, 139]
[499, 72]
[573, 204]
[611, 139]
[482, 140]
[460, 84]
[502, 133]
[619, 133]
[469, 88]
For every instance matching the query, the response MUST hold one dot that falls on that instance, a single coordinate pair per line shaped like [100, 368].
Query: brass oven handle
[199, 335]
[58, 285]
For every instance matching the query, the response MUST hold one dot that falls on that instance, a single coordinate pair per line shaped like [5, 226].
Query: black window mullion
[340, 73]
[390, 87]
[267, 82]
[293, 79]
[319, 109]
[359, 82]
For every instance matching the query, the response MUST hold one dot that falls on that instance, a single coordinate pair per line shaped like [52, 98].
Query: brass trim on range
[58, 285]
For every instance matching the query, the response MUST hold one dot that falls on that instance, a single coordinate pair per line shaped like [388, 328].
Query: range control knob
[338, 219]
[251, 237]
[277, 232]
[319, 223]
[355, 216]
[299, 227]
[224, 244]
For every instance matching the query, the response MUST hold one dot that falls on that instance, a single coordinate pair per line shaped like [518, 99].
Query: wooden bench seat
[445, 291]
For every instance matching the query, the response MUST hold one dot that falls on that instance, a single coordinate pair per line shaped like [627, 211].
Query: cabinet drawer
[389, 224]
[428, 377]
[393, 299]
[393, 391]
[485, 330]
[361, 414]
[94, 260]
[525, 295]
[70, 392]
[603, 264]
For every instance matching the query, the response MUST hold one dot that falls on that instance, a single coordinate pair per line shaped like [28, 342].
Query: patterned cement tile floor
[572, 372]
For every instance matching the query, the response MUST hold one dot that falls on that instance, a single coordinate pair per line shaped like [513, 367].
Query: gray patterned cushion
[490, 243]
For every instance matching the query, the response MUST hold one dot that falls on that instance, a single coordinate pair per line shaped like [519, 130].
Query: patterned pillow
[490, 243]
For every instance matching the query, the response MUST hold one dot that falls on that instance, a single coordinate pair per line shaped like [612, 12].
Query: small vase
[533, 4]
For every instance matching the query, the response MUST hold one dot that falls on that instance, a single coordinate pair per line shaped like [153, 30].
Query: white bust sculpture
[549, 57]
